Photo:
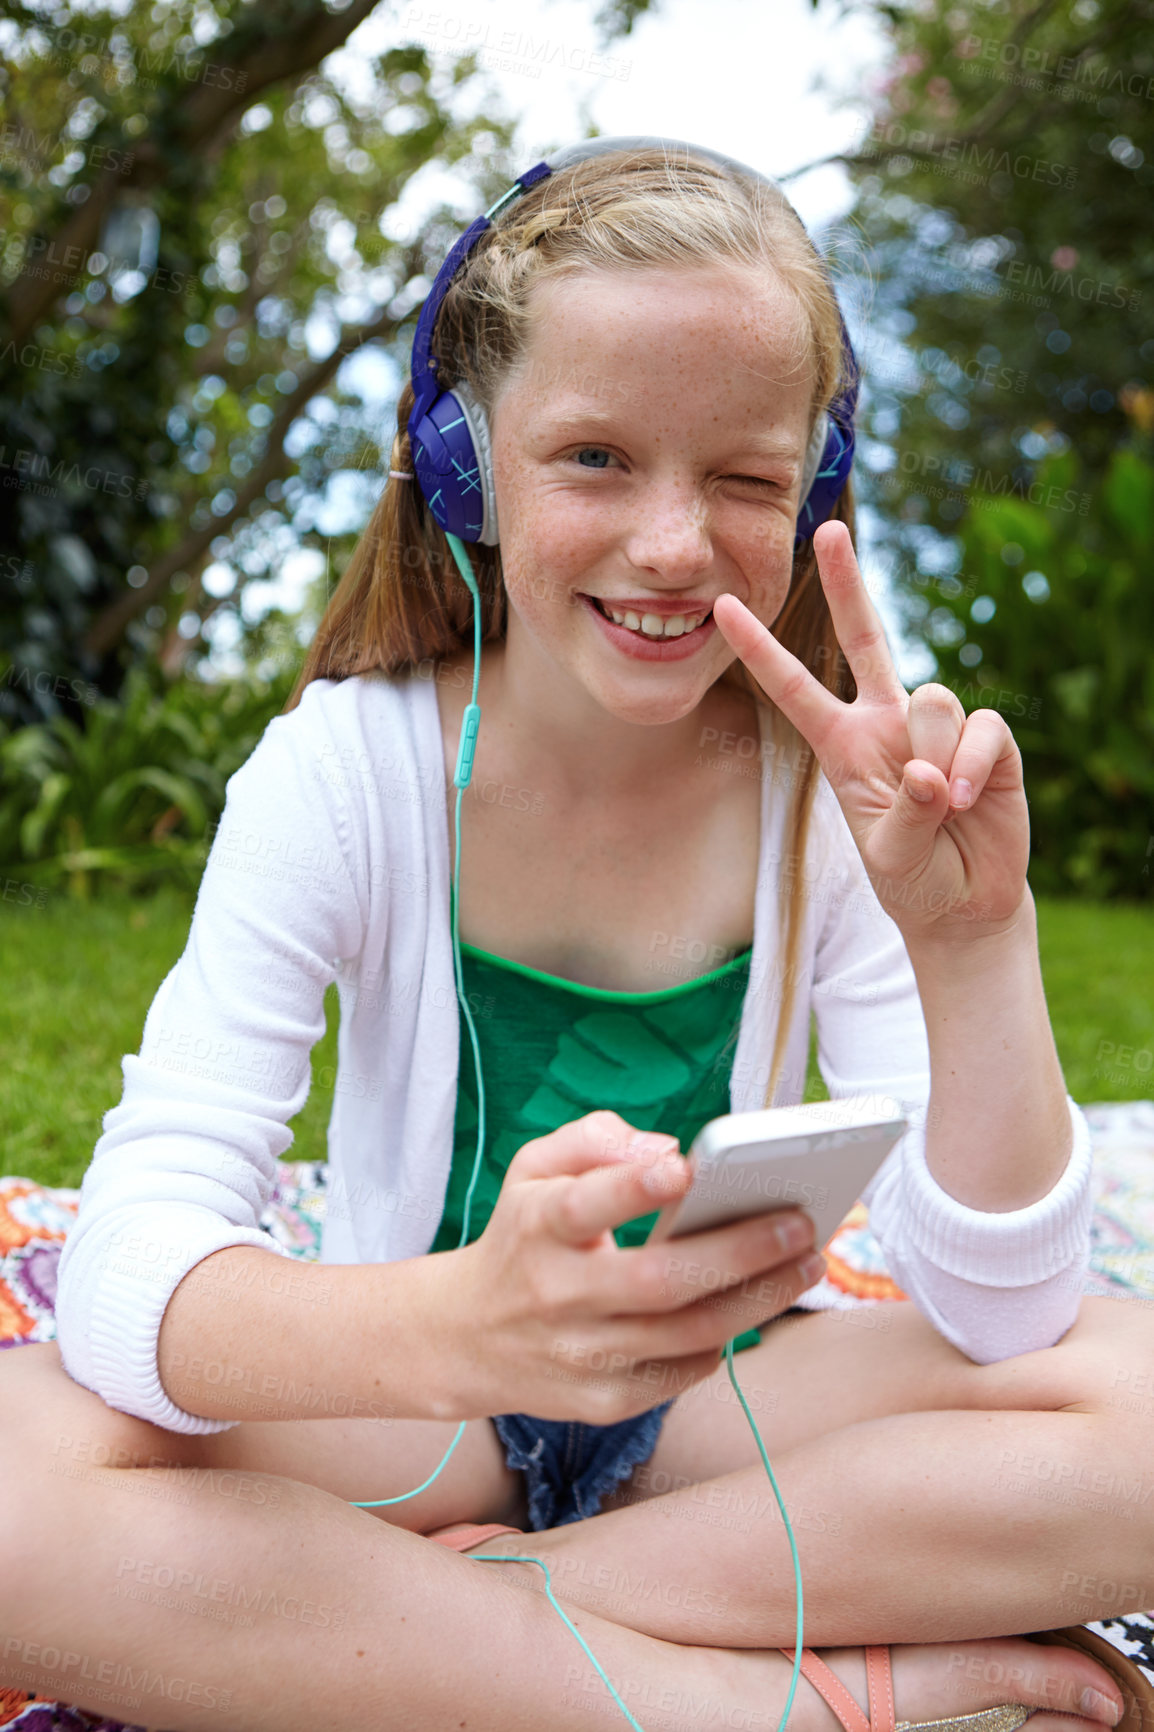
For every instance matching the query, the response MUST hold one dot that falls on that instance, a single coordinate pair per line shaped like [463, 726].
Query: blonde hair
[401, 600]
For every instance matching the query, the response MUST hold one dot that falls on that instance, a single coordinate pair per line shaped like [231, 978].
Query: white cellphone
[818, 1158]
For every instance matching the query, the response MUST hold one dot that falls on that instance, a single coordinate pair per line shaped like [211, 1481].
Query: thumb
[908, 829]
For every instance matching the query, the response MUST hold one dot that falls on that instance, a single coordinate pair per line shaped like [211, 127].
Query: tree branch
[987, 118]
[198, 124]
[109, 626]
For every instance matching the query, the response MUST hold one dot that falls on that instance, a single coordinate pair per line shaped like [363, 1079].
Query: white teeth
[653, 625]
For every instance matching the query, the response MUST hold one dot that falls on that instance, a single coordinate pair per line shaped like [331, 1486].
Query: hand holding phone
[818, 1158]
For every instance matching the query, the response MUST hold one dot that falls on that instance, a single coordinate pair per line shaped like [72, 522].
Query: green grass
[79, 978]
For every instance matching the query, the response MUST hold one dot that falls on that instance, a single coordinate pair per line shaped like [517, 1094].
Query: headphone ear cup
[477, 422]
[828, 460]
[807, 521]
[451, 462]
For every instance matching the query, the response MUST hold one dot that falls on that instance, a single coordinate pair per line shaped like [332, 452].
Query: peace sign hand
[945, 861]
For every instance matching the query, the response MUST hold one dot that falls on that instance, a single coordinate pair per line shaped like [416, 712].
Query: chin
[670, 695]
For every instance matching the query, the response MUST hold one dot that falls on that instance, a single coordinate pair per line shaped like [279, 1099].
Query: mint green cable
[797, 1645]
[516, 1558]
[500, 1558]
[462, 559]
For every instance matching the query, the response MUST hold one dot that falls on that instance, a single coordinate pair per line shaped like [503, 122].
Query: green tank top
[553, 1050]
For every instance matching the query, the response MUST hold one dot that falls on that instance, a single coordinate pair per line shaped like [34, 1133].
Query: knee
[52, 1423]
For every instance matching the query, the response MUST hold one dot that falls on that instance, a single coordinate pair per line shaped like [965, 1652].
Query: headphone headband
[449, 432]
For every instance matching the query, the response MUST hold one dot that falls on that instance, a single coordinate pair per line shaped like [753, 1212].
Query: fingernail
[794, 1233]
[1100, 1707]
[961, 792]
[919, 790]
[651, 1145]
[812, 1268]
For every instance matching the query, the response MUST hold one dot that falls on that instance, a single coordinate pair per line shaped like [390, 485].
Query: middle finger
[677, 1272]
[934, 721]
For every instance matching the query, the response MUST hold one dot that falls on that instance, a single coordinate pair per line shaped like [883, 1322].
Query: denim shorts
[569, 1466]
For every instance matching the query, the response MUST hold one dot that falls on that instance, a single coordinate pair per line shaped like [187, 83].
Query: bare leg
[195, 1597]
[366, 1460]
[1008, 1498]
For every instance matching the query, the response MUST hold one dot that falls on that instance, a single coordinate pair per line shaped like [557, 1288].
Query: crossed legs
[912, 1477]
[930, 1497]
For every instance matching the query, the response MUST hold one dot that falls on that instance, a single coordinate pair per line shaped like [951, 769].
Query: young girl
[661, 781]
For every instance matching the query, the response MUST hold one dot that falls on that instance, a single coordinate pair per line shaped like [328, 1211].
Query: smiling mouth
[651, 625]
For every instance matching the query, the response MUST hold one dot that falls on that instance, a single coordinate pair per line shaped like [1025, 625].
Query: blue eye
[597, 451]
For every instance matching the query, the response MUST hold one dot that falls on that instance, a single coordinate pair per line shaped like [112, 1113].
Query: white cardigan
[333, 861]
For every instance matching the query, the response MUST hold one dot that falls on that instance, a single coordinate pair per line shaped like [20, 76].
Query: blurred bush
[128, 801]
[1002, 277]
[1060, 615]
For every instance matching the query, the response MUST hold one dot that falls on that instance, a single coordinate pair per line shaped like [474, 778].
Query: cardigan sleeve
[994, 1284]
[187, 1160]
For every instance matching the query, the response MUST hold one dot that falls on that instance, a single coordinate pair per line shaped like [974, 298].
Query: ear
[477, 422]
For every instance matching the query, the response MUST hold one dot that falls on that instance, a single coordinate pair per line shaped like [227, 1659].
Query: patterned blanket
[34, 1221]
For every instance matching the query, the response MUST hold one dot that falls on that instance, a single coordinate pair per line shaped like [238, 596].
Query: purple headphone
[449, 430]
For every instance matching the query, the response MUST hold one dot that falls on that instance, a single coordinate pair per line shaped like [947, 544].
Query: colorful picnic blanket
[34, 1221]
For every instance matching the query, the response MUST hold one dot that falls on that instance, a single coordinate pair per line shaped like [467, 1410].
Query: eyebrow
[578, 418]
[760, 444]
[772, 444]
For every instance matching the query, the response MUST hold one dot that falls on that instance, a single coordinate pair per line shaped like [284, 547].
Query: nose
[668, 533]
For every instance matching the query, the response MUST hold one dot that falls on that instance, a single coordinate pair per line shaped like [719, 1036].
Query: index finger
[704, 1265]
[599, 1139]
[803, 700]
[856, 622]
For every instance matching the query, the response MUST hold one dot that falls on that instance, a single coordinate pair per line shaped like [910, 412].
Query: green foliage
[1057, 606]
[198, 226]
[1001, 180]
[129, 800]
[1002, 177]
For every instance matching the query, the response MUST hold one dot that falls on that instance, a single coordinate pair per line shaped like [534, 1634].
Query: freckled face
[649, 448]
